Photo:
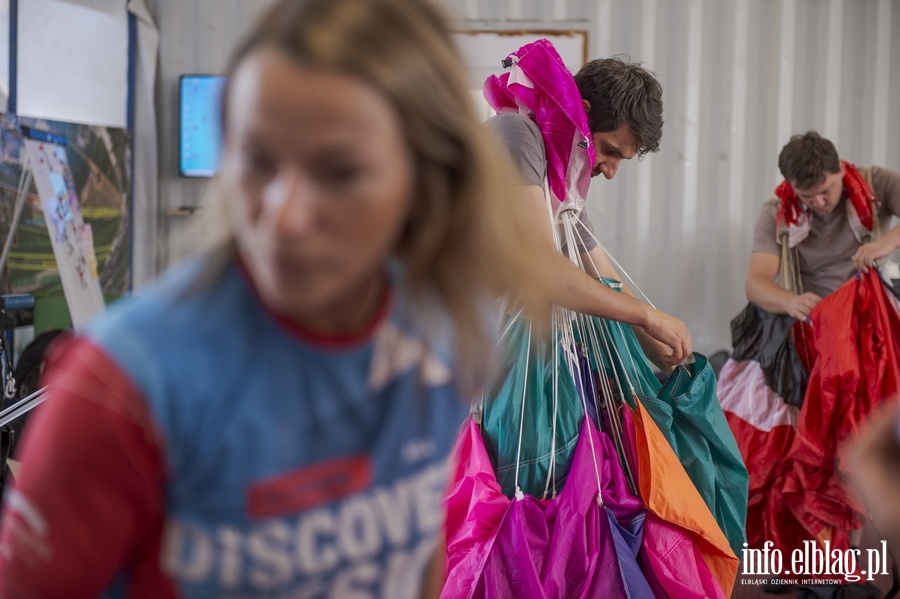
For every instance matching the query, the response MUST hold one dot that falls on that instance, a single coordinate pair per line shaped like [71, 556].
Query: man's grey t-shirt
[825, 254]
[522, 138]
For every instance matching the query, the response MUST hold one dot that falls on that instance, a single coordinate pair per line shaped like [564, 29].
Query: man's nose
[610, 167]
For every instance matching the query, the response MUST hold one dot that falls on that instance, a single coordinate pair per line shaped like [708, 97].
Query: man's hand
[672, 332]
[868, 253]
[800, 306]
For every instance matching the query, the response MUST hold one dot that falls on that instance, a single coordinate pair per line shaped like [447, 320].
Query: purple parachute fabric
[539, 85]
[569, 546]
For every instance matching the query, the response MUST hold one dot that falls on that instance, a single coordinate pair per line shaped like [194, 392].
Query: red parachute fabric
[857, 335]
[793, 457]
[763, 426]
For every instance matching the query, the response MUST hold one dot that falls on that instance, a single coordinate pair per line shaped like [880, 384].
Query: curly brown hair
[622, 92]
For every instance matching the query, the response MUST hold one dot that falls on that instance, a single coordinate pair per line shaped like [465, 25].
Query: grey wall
[195, 37]
[740, 76]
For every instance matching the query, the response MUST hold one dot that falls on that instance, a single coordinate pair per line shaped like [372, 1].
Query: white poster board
[71, 239]
[73, 60]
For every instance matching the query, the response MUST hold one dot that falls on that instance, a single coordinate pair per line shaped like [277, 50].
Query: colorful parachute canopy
[683, 527]
[539, 85]
[532, 414]
[688, 413]
[570, 546]
[668, 493]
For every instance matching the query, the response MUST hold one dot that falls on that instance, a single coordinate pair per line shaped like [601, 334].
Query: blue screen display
[200, 138]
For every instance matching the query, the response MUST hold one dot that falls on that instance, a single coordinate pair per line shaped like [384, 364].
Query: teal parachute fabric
[621, 355]
[537, 370]
[685, 409]
[688, 413]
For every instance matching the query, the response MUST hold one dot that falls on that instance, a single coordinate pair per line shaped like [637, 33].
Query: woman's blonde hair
[464, 234]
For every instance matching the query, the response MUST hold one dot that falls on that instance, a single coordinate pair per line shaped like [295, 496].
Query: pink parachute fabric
[568, 546]
[539, 85]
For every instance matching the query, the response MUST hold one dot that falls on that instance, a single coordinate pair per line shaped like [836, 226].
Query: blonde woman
[273, 419]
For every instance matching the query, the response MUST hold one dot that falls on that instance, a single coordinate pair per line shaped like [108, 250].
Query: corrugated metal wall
[194, 37]
[739, 77]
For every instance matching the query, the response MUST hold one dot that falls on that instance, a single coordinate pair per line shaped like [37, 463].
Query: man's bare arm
[597, 261]
[572, 288]
[763, 291]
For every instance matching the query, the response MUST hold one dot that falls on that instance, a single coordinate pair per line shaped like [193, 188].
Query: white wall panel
[63, 45]
[195, 37]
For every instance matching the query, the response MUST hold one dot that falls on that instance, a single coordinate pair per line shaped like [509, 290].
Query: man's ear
[843, 170]
[587, 106]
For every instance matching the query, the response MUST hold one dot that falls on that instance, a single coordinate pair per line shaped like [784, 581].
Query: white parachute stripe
[742, 390]
[578, 175]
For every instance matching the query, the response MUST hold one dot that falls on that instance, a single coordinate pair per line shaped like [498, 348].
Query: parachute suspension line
[567, 218]
[519, 494]
[570, 221]
[790, 280]
[615, 421]
[551, 214]
[612, 406]
[588, 327]
[621, 326]
[509, 326]
[551, 470]
[622, 270]
[557, 319]
[619, 267]
[798, 282]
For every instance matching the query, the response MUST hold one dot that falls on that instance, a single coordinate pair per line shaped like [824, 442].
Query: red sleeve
[88, 501]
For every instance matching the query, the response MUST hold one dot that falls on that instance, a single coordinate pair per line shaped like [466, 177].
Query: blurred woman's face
[324, 181]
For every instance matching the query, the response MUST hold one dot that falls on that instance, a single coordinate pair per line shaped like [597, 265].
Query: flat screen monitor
[200, 137]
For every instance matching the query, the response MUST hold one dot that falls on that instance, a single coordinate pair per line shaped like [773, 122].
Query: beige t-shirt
[522, 137]
[825, 255]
